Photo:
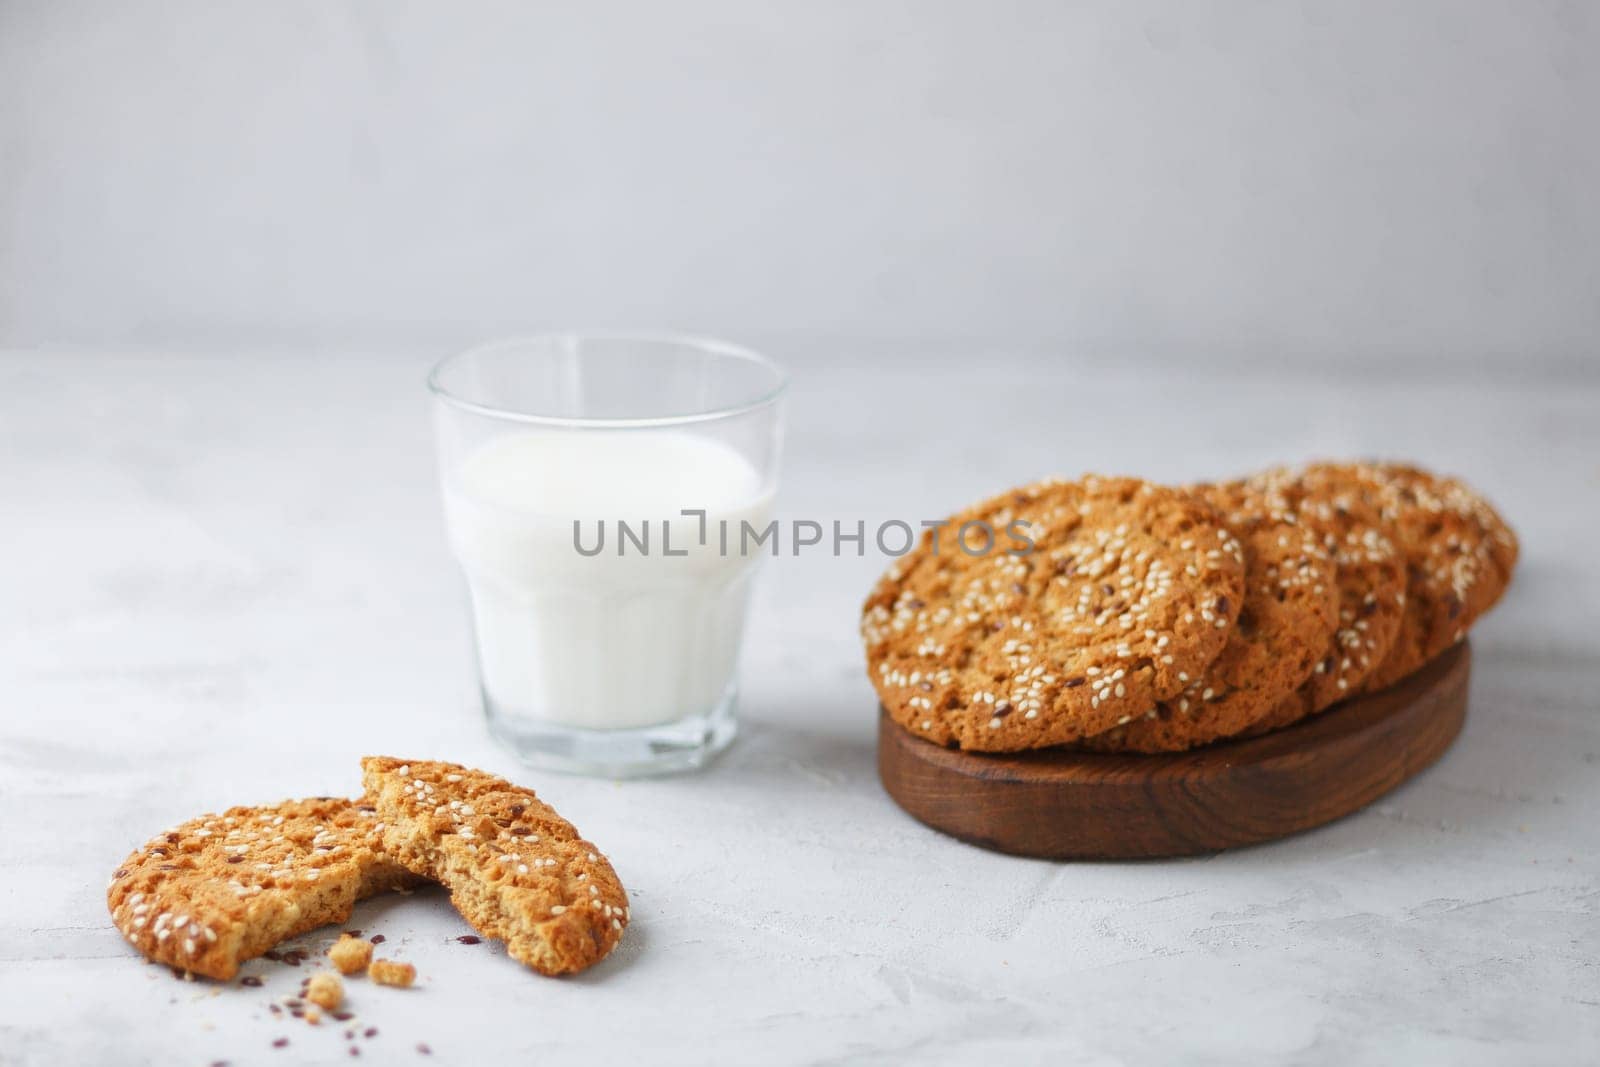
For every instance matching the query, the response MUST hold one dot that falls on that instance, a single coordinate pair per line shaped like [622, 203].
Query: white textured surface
[224, 580]
[1290, 181]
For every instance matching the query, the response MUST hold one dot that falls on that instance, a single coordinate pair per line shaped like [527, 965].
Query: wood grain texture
[1063, 804]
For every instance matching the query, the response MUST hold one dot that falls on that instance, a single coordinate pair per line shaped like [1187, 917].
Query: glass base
[669, 748]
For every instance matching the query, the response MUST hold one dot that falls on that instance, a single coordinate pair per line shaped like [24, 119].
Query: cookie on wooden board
[1371, 577]
[1459, 555]
[1095, 600]
[1288, 617]
[515, 869]
[215, 891]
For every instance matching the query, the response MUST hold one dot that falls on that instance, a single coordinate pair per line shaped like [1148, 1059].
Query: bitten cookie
[221, 889]
[515, 869]
[1052, 612]
[1288, 617]
[1459, 555]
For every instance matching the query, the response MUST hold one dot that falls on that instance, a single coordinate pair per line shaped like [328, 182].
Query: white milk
[609, 641]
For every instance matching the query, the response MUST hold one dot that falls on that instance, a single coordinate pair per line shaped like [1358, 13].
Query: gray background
[1333, 184]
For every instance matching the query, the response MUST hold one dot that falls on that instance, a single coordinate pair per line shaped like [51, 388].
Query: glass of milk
[606, 496]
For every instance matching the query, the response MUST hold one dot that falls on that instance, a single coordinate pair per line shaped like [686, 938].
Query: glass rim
[697, 342]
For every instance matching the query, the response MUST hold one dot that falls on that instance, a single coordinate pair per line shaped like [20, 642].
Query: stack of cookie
[215, 891]
[1122, 616]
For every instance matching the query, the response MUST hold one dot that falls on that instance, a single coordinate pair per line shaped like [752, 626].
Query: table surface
[225, 580]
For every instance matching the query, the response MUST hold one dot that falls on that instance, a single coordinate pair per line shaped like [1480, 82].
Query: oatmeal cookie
[1094, 601]
[1371, 579]
[515, 869]
[215, 891]
[1459, 554]
[1287, 619]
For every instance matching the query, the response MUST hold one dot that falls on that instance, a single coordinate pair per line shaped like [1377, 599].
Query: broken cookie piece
[515, 869]
[215, 891]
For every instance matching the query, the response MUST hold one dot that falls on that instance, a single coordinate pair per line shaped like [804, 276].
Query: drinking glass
[608, 498]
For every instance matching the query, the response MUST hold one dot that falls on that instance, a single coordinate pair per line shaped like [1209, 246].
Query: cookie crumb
[313, 1016]
[388, 972]
[325, 990]
[350, 954]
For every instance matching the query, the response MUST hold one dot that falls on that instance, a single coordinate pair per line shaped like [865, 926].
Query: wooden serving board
[1062, 804]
